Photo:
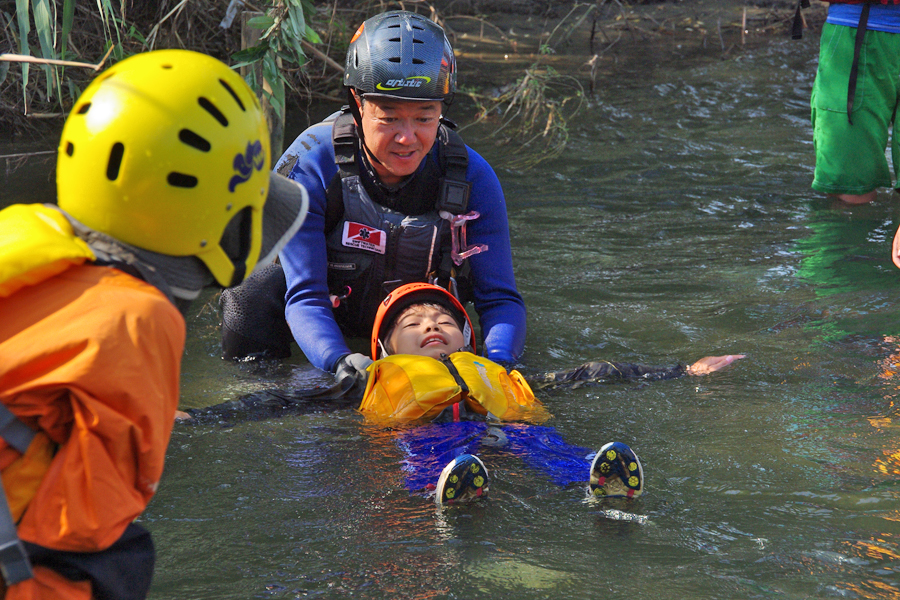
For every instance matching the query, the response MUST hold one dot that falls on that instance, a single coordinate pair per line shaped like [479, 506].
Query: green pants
[850, 159]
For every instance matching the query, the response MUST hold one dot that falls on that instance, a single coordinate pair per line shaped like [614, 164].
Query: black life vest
[378, 240]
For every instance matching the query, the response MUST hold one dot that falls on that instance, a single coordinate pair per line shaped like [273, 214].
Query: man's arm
[500, 307]
[307, 306]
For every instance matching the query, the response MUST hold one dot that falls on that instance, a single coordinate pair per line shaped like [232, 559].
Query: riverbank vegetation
[291, 51]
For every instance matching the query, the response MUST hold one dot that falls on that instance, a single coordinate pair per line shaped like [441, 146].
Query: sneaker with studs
[464, 478]
[616, 472]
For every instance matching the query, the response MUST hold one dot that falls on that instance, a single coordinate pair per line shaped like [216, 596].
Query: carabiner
[459, 248]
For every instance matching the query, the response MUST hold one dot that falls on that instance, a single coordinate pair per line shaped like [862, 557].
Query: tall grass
[66, 30]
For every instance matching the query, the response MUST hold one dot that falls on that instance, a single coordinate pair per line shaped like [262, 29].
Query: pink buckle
[460, 250]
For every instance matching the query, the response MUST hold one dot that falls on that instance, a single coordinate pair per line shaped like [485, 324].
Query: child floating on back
[427, 375]
[426, 370]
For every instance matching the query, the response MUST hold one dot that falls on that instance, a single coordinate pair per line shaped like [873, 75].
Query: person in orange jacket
[163, 189]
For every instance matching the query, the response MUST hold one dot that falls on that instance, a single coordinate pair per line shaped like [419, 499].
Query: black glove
[350, 371]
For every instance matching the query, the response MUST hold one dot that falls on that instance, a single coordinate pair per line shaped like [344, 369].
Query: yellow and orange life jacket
[405, 388]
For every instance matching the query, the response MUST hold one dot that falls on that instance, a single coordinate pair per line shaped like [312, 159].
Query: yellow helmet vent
[211, 109]
[233, 95]
[115, 161]
[192, 139]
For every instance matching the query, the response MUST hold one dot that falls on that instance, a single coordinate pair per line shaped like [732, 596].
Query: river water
[679, 224]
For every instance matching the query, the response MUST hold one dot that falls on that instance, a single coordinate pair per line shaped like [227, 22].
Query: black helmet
[400, 54]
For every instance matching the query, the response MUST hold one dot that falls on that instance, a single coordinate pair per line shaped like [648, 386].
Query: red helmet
[418, 293]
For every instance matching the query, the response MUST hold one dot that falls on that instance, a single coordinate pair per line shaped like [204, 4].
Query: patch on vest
[357, 235]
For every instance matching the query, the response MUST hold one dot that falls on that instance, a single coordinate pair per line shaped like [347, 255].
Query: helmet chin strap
[357, 117]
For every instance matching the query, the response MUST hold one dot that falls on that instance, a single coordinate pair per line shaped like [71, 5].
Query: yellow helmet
[168, 151]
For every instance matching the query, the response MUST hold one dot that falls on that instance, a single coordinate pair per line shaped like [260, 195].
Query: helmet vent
[181, 180]
[233, 95]
[193, 140]
[70, 149]
[211, 109]
[115, 161]
[84, 108]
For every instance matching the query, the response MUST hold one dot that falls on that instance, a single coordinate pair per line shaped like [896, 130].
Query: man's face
[400, 133]
[425, 330]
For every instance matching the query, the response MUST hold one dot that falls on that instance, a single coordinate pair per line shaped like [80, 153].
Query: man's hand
[351, 370]
[708, 364]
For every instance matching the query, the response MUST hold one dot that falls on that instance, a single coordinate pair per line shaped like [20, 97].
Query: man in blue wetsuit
[395, 197]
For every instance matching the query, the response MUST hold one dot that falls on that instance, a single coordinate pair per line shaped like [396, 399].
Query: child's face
[425, 331]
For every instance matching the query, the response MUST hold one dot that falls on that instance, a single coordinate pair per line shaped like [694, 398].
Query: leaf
[296, 22]
[4, 66]
[298, 54]
[252, 54]
[136, 35]
[286, 56]
[74, 90]
[44, 27]
[261, 22]
[272, 74]
[22, 12]
[108, 14]
[68, 20]
[312, 36]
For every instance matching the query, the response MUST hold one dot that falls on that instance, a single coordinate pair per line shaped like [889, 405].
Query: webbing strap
[453, 371]
[854, 68]
[14, 563]
[16, 433]
[345, 141]
[454, 195]
[797, 25]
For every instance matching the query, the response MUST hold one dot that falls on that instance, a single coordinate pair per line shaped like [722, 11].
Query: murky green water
[679, 225]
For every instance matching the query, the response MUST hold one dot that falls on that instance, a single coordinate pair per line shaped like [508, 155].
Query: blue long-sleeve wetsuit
[308, 309]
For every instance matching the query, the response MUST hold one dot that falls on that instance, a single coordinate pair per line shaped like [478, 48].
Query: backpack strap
[346, 142]
[14, 563]
[454, 194]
